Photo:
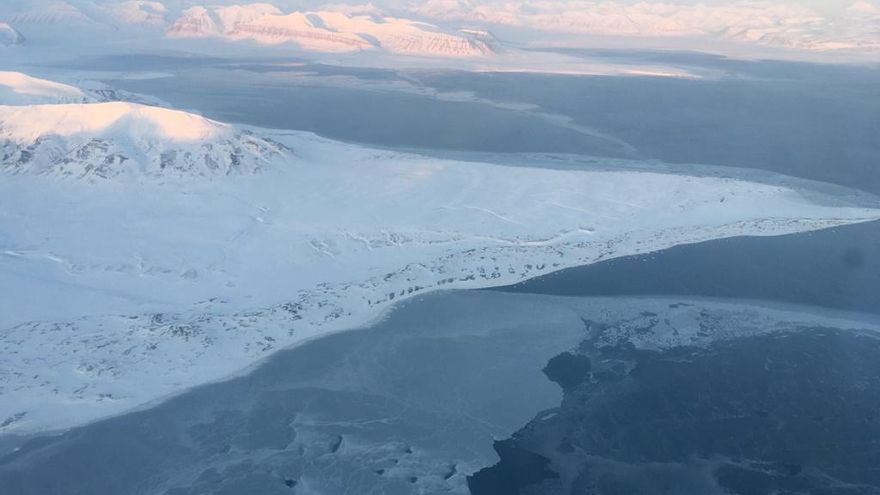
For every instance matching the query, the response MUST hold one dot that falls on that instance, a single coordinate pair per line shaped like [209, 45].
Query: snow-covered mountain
[17, 88]
[9, 35]
[344, 30]
[199, 21]
[105, 140]
[328, 31]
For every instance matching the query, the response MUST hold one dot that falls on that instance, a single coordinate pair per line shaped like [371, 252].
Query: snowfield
[129, 276]
[17, 88]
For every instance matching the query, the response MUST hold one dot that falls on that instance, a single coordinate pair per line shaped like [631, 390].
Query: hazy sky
[824, 5]
[828, 6]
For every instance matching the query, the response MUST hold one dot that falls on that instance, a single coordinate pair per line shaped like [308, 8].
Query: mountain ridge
[114, 139]
[328, 31]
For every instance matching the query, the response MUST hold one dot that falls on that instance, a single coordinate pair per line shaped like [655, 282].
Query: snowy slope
[119, 292]
[17, 88]
[103, 140]
[327, 31]
[9, 35]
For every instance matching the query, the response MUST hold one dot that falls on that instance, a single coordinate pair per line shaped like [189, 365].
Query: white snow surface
[124, 288]
[17, 88]
[119, 118]
[20, 89]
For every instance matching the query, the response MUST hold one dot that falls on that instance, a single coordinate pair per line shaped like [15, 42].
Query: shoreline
[11, 443]
[367, 320]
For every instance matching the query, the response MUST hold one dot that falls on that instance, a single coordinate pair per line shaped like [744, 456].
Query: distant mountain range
[263, 23]
[781, 24]
[328, 31]
[433, 27]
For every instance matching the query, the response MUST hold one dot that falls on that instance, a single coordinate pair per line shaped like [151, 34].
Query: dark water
[823, 128]
[820, 122]
[835, 268]
[793, 412]
[377, 117]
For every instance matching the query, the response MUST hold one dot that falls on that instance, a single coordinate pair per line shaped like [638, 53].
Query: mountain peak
[21, 89]
[106, 140]
[107, 119]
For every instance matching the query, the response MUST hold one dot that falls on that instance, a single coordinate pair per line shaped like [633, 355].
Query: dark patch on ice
[835, 268]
